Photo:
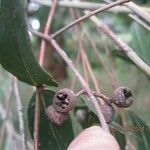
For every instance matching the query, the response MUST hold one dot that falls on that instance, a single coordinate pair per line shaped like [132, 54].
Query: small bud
[108, 111]
[122, 97]
[55, 116]
[64, 100]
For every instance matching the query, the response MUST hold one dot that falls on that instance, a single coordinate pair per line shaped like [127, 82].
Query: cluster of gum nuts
[64, 101]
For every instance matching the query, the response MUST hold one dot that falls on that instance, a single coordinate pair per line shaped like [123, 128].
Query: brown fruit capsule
[64, 100]
[108, 111]
[122, 97]
[55, 116]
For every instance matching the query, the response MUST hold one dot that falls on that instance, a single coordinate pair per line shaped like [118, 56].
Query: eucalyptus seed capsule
[55, 116]
[64, 100]
[122, 97]
[108, 111]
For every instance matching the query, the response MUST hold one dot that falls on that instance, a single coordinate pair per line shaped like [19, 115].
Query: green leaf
[52, 137]
[91, 116]
[120, 137]
[141, 42]
[15, 49]
[141, 130]
[77, 128]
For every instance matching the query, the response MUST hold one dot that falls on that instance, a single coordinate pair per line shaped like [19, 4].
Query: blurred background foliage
[112, 70]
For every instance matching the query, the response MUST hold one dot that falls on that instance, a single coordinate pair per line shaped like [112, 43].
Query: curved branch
[101, 9]
[87, 5]
[123, 47]
[84, 84]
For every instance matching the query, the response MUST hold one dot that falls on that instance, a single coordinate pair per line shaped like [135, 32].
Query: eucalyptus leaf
[141, 41]
[142, 131]
[120, 137]
[91, 116]
[77, 128]
[52, 137]
[15, 49]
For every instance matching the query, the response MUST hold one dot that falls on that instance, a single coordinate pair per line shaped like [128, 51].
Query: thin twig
[89, 68]
[85, 86]
[123, 47]
[40, 89]
[80, 92]
[20, 114]
[101, 9]
[103, 97]
[37, 118]
[107, 70]
[85, 61]
[87, 5]
[113, 72]
[140, 21]
[136, 10]
[85, 73]
[74, 17]
[83, 64]
[74, 78]
[47, 31]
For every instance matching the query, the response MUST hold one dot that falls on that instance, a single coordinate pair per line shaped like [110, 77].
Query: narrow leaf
[141, 41]
[141, 131]
[120, 137]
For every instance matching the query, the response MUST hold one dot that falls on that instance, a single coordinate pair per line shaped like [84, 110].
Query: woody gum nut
[54, 116]
[64, 100]
[108, 112]
[122, 97]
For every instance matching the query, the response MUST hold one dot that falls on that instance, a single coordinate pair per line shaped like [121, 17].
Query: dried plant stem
[46, 31]
[79, 41]
[20, 114]
[103, 97]
[80, 92]
[84, 84]
[84, 67]
[37, 119]
[86, 5]
[138, 11]
[76, 63]
[123, 47]
[113, 72]
[39, 89]
[101, 9]
[89, 68]
[140, 21]
[98, 55]
[85, 61]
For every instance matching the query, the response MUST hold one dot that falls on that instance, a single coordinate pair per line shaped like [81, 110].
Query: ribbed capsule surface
[108, 111]
[55, 116]
[64, 100]
[122, 97]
